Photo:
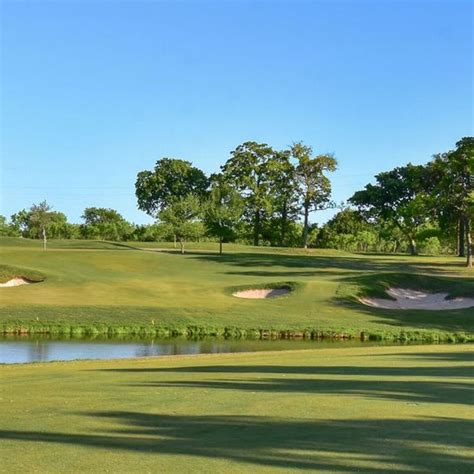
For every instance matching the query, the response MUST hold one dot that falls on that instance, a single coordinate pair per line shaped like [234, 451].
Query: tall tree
[314, 187]
[452, 175]
[181, 215]
[40, 216]
[223, 211]
[399, 197]
[171, 179]
[283, 191]
[247, 171]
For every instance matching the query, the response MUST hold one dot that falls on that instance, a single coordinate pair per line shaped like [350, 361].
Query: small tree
[181, 215]
[223, 211]
[41, 216]
[314, 187]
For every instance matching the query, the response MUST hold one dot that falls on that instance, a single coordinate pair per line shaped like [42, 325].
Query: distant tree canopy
[398, 197]
[105, 224]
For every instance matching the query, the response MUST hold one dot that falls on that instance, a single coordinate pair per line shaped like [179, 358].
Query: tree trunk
[306, 226]
[181, 243]
[220, 245]
[284, 220]
[256, 229]
[174, 240]
[44, 238]
[413, 250]
[461, 242]
[470, 247]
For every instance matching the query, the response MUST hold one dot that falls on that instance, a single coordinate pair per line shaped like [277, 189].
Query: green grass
[371, 410]
[105, 287]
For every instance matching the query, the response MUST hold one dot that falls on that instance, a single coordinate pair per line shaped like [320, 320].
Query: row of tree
[262, 195]
[40, 221]
[413, 196]
[263, 188]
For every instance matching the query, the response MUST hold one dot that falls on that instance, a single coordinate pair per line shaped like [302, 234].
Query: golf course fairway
[371, 410]
[95, 287]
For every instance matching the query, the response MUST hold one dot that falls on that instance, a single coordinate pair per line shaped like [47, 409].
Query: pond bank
[395, 335]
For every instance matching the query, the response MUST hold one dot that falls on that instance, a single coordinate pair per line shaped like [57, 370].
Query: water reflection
[22, 349]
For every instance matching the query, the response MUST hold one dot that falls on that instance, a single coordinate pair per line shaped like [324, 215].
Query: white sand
[412, 299]
[15, 282]
[261, 293]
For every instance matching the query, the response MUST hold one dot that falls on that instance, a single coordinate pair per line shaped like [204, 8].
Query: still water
[23, 349]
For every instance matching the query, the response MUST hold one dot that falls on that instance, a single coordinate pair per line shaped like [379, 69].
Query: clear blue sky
[95, 91]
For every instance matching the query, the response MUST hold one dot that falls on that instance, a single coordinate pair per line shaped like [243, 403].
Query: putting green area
[371, 410]
[88, 287]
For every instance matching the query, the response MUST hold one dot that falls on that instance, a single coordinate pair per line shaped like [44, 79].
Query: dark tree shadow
[369, 446]
[466, 356]
[323, 263]
[460, 371]
[411, 391]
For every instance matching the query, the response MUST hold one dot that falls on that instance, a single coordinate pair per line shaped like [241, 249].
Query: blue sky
[95, 91]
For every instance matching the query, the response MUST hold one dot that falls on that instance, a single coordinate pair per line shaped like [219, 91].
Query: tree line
[266, 196]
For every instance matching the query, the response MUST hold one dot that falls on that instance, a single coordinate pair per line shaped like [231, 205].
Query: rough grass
[105, 287]
[8, 272]
[371, 410]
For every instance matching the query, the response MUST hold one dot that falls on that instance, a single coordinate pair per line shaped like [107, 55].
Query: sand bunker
[15, 282]
[261, 293]
[412, 299]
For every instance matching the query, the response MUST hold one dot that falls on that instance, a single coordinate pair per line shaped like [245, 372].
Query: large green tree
[398, 196]
[314, 187]
[247, 171]
[452, 189]
[171, 179]
[283, 193]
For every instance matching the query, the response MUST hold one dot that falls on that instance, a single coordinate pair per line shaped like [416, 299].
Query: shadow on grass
[407, 391]
[438, 356]
[370, 446]
[314, 263]
[382, 383]
[460, 371]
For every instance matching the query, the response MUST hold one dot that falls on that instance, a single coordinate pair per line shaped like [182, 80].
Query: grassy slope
[113, 285]
[368, 410]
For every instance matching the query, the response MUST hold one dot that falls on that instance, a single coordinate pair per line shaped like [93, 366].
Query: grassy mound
[8, 272]
[376, 285]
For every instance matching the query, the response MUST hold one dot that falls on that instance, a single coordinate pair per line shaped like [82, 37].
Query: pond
[23, 349]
